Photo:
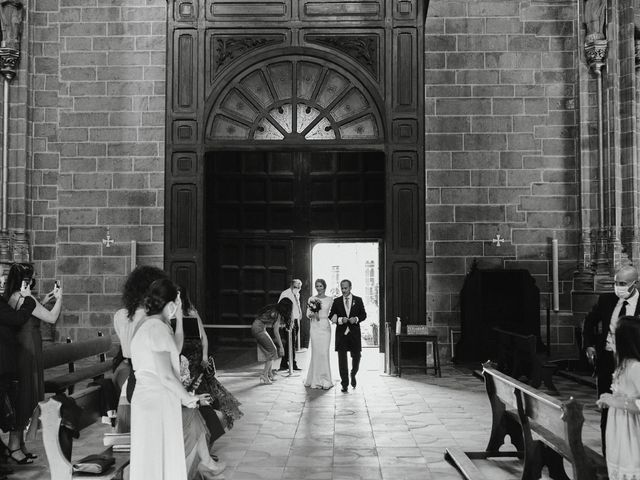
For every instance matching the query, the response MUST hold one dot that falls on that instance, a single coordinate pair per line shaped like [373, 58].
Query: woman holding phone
[30, 371]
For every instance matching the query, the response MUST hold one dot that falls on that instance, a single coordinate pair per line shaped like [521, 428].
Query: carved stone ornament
[594, 18]
[227, 49]
[11, 18]
[596, 53]
[363, 48]
[21, 247]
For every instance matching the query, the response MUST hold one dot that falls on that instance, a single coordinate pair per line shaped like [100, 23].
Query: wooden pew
[517, 356]
[543, 429]
[58, 456]
[70, 353]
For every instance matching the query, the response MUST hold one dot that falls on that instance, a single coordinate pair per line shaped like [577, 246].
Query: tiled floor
[388, 428]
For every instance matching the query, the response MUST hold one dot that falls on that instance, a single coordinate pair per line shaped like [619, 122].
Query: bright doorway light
[360, 263]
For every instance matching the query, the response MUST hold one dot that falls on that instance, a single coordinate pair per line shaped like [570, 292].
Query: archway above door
[294, 99]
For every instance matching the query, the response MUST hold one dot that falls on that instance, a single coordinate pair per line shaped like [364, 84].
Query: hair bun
[153, 303]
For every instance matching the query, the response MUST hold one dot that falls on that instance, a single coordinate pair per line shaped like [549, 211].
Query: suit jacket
[596, 324]
[296, 311]
[594, 334]
[351, 341]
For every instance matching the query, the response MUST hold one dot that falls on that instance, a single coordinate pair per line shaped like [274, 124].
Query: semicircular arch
[294, 96]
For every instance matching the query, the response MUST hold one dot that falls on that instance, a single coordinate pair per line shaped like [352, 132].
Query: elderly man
[293, 294]
[599, 328]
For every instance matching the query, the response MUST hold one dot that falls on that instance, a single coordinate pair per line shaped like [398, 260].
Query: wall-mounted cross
[107, 242]
[498, 240]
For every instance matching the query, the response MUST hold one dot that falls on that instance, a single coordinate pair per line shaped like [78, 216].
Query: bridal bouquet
[314, 304]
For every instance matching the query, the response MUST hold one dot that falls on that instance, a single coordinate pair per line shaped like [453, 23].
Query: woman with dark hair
[319, 372]
[125, 321]
[30, 370]
[202, 365]
[271, 316]
[623, 418]
[158, 442]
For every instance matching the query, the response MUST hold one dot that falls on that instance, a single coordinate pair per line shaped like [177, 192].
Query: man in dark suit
[599, 328]
[347, 312]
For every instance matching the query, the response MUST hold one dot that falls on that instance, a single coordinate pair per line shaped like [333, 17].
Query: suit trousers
[343, 366]
[284, 362]
[605, 365]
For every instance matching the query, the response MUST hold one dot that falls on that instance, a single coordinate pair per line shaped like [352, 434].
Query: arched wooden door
[297, 76]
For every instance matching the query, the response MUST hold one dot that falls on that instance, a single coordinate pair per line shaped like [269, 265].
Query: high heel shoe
[27, 454]
[23, 461]
[266, 380]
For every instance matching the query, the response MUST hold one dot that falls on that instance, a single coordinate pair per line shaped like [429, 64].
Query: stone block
[494, 9]
[456, 61]
[528, 43]
[447, 178]
[114, 284]
[72, 266]
[458, 249]
[508, 106]
[474, 77]
[130, 58]
[73, 135]
[440, 43]
[474, 160]
[130, 88]
[93, 119]
[125, 119]
[433, 213]
[504, 25]
[119, 216]
[492, 90]
[77, 165]
[78, 74]
[41, 252]
[126, 29]
[558, 146]
[113, 44]
[507, 195]
[83, 284]
[157, 235]
[561, 176]
[568, 189]
[152, 216]
[445, 283]
[76, 303]
[522, 141]
[130, 181]
[108, 265]
[434, 60]
[552, 220]
[486, 141]
[440, 303]
[128, 149]
[463, 106]
[83, 59]
[464, 26]
[530, 91]
[438, 76]
[438, 161]
[516, 77]
[555, 76]
[46, 161]
[117, 164]
[92, 181]
[447, 91]
[450, 231]
[119, 73]
[553, 60]
[482, 43]
[77, 216]
[488, 178]
[447, 124]
[517, 178]
[490, 124]
[118, 134]
[448, 8]
[132, 198]
[78, 249]
[479, 213]
[504, 250]
[464, 196]
[44, 238]
[81, 234]
[544, 203]
[99, 320]
[83, 29]
[104, 303]
[102, 104]
[442, 142]
[132, 232]
[88, 89]
[84, 198]
[553, 28]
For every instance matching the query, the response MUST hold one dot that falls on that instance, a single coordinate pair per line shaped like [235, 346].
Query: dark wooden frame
[393, 76]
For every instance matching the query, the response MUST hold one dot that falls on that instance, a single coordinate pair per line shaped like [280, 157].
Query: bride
[319, 371]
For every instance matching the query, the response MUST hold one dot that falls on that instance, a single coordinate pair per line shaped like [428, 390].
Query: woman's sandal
[265, 379]
[27, 454]
[24, 461]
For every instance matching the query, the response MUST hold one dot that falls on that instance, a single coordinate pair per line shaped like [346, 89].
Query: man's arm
[590, 325]
[16, 318]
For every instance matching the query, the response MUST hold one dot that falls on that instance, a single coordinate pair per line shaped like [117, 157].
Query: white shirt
[296, 311]
[632, 301]
[348, 303]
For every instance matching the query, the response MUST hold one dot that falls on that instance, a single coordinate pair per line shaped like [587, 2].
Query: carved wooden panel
[186, 275]
[404, 9]
[185, 10]
[406, 288]
[185, 70]
[405, 200]
[256, 11]
[184, 131]
[405, 163]
[405, 130]
[405, 77]
[364, 49]
[342, 10]
[223, 49]
[185, 211]
[184, 164]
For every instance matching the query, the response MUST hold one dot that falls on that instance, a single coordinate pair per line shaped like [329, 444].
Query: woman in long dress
[623, 418]
[157, 443]
[30, 370]
[319, 371]
[271, 316]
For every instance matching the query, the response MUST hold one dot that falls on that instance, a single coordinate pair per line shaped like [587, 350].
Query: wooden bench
[543, 429]
[59, 457]
[70, 353]
[518, 356]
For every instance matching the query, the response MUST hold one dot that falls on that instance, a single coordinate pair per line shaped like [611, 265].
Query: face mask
[622, 291]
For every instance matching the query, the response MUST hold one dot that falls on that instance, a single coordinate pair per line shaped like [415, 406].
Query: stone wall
[500, 145]
[96, 79]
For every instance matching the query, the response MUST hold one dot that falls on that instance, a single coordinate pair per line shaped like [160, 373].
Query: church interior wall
[500, 140]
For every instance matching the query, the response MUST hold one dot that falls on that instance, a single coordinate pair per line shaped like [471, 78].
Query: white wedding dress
[319, 371]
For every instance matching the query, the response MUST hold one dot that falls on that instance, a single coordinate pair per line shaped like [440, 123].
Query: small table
[433, 339]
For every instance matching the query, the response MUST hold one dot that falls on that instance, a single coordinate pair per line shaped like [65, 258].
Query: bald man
[600, 325]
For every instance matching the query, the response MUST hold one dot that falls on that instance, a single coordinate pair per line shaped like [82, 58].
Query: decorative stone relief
[364, 49]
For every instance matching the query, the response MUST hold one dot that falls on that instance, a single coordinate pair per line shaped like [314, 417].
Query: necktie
[623, 310]
[347, 306]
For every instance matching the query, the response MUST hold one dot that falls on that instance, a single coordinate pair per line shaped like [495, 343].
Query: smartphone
[24, 287]
[56, 284]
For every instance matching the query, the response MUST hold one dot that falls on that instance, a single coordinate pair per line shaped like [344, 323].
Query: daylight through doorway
[360, 263]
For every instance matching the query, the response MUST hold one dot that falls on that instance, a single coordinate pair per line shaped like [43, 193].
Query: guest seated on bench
[156, 452]
[623, 418]
[30, 372]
